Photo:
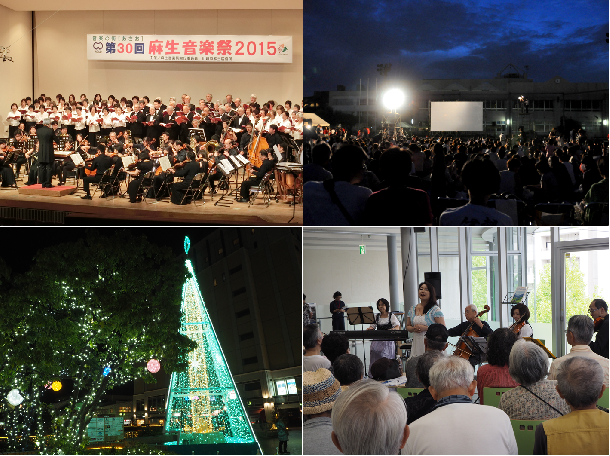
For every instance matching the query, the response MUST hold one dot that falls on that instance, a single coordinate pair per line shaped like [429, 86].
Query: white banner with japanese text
[191, 48]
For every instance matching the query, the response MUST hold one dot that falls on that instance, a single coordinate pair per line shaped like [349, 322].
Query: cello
[255, 147]
[461, 348]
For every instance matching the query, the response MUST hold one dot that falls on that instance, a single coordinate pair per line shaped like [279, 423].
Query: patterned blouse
[434, 312]
[490, 376]
[520, 404]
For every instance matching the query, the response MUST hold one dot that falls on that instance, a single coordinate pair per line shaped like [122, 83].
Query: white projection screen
[456, 116]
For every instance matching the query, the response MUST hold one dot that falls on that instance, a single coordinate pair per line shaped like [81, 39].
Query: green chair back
[525, 432]
[492, 396]
[408, 392]
[603, 401]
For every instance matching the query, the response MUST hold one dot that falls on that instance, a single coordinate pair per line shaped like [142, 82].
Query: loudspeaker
[435, 279]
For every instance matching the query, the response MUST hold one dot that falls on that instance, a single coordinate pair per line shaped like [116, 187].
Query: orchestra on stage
[138, 148]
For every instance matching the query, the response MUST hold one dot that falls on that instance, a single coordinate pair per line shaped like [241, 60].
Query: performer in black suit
[190, 169]
[256, 179]
[170, 118]
[273, 137]
[152, 131]
[599, 311]
[240, 122]
[46, 154]
[6, 169]
[137, 128]
[245, 139]
[100, 164]
[144, 165]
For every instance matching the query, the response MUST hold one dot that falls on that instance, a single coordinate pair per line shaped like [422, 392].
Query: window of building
[493, 104]
[140, 405]
[281, 387]
[156, 403]
[235, 241]
[246, 336]
[242, 313]
[235, 269]
[239, 291]
[252, 360]
[541, 105]
[292, 386]
[252, 386]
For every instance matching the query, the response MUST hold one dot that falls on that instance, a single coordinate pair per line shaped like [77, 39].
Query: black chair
[145, 185]
[264, 188]
[596, 214]
[197, 187]
[105, 183]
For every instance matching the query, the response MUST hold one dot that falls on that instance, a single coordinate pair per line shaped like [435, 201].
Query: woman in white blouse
[14, 119]
[118, 120]
[94, 125]
[106, 126]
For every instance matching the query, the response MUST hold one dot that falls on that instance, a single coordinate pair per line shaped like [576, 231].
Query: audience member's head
[527, 363]
[580, 381]
[481, 177]
[580, 330]
[452, 375]
[385, 369]
[348, 164]
[395, 165]
[320, 153]
[334, 345]
[499, 346]
[312, 337]
[436, 337]
[425, 363]
[348, 369]
[602, 164]
[320, 391]
[369, 418]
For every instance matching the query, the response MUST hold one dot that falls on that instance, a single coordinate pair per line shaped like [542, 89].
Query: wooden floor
[98, 210]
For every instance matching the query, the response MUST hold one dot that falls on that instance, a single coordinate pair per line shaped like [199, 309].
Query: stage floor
[72, 210]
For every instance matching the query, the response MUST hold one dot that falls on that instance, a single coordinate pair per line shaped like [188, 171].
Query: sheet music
[165, 164]
[277, 152]
[77, 159]
[235, 161]
[226, 165]
[128, 160]
[243, 159]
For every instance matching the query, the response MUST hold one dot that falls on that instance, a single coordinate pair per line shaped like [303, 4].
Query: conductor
[46, 155]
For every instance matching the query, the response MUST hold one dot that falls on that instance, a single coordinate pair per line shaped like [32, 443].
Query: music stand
[361, 316]
[477, 346]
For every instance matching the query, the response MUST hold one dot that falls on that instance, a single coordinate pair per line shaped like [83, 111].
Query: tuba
[210, 147]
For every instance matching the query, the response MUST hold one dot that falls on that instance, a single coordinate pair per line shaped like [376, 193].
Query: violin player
[520, 312]
[599, 311]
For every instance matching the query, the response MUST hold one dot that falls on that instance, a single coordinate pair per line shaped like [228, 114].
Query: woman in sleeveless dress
[423, 315]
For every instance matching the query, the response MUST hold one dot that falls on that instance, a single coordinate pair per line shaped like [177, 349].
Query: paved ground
[270, 445]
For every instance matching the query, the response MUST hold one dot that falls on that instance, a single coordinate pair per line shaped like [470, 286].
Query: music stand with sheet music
[226, 168]
[361, 316]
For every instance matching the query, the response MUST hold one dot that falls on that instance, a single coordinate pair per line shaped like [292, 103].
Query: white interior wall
[62, 66]
[16, 76]
[362, 279]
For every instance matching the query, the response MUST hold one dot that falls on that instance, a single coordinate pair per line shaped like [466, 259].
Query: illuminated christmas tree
[203, 405]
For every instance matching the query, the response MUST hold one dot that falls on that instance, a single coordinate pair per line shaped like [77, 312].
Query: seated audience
[445, 429]
[317, 170]
[495, 373]
[423, 403]
[338, 201]
[535, 398]
[435, 339]
[579, 335]
[398, 204]
[369, 418]
[598, 192]
[599, 310]
[387, 371]
[584, 430]
[312, 341]
[334, 345]
[482, 179]
[320, 391]
[348, 369]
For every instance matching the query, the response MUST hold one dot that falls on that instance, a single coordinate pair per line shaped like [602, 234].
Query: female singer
[518, 311]
[119, 121]
[94, 125]
[30, 118]
[384, 321]
[106, 126]
[423, 315]
[337, 309]
[97, 100]
[14, 119]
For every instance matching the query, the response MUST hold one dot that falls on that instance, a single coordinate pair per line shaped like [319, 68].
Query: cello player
[481, 328]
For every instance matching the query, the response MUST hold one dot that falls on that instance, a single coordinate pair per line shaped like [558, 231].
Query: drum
[289, 178]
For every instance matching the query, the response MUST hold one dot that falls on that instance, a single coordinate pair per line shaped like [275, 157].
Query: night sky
[453, 40]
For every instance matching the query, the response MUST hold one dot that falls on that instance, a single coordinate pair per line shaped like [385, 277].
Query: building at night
[551, 103]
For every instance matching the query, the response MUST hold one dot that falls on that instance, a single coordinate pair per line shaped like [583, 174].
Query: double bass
[461, 348]
[255, 147]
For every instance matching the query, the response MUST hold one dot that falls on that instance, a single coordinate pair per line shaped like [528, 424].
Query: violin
[461, 349]
[517, 326]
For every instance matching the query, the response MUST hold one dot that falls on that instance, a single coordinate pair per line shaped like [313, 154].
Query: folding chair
[145, 184]
[553, 214]
[525, 434]
[492, 396]
[197, 186]
[409, 392]
[105, 181]
[264, 187]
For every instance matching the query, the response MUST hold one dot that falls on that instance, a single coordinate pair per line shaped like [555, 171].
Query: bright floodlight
[393, 98]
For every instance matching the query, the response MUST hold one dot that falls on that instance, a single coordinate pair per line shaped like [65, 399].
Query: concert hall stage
[72, 210]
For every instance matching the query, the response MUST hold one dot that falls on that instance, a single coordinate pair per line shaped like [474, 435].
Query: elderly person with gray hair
[535, 398]
[442, 430]
[369, 418]
[585, 429]
[423, 403]
[579, 335]
[481, 328]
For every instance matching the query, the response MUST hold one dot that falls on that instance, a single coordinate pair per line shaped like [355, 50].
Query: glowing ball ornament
[107, 370]
[56, 386]
[153, 366]
[14, 398]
